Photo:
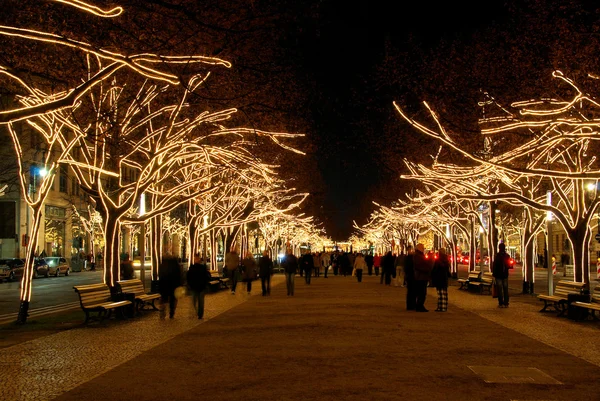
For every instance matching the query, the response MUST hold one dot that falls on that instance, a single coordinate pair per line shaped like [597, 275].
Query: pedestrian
[317, 263]
[325, 260]
[439, 279]
[306, 265]
[387, 267]
[169, 278]
[422, 275]
[249, 271]
[290, 267]
[399, 265]
[265, 271]
[335, 262]
[500, 273]
[232, 262]
[344, 262]
[198, 278]
[126, 268]
[359, 265]
[369, 262]
[409, 277]
[376, 263]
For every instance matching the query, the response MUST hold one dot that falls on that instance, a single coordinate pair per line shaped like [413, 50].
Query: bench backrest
[564, 288]
[133, 286]
[475, 275]
[596, 296]
[487, 277]
[93, 294]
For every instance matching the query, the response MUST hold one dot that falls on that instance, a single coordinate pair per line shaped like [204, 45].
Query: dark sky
[342, 54]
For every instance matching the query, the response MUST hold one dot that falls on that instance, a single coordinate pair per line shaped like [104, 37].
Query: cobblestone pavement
[336, 339]
[46, 367]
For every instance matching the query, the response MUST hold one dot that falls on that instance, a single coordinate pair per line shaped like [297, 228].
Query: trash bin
[574, 312]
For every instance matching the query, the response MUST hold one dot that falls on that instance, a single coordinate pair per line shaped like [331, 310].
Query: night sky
[342, 55]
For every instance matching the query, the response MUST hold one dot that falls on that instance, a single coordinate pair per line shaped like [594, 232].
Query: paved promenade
[334, 340]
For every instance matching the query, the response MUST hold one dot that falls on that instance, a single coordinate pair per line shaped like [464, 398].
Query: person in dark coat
[265, 271]
[344, 262]
[198, 278]
[369, 261]
[335, 262]
[307, 265]
[500, 273]
[126, 268]
[387, 267]
[249, 271]
[422, 277]
[439, 279]
[409, 277]
[169, 278]
[290, 267]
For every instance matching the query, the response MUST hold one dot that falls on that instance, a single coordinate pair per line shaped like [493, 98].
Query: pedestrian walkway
[336, 339]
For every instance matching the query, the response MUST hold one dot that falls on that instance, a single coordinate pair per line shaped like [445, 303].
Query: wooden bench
[217, 283]
[96, 298]
[485, 283]
[136, 290]
[560, 300]
[474, 277]
[592, 307]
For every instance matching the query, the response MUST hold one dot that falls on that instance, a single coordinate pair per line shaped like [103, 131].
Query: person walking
[307, 265]
[344, 262]
[369, 261]
[325, 260]
[387, 267]
[317, 263]
[439, 279]
[500, 273]
[249, 271]
[399, 265]
[409, 277]
[377, 263]
[290, 267]
[169, 278]
[335, 262]
[359, 265]
[198, 278]
[422, 275]
[232, 262]
[265, 271]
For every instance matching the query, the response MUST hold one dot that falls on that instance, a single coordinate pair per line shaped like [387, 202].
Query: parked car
[40, 268]
[11, 269]
[57, 265]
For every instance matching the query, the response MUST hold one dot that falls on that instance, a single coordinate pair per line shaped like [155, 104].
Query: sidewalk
[334, 340]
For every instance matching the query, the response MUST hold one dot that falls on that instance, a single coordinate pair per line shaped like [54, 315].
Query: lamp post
[549, 244]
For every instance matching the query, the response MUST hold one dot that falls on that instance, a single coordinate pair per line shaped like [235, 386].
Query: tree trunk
[528, 260]
[27, 279]
[580, 241]
[156, 241]
[112, 272]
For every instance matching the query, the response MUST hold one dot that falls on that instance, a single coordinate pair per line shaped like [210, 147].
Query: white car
[57, 265]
